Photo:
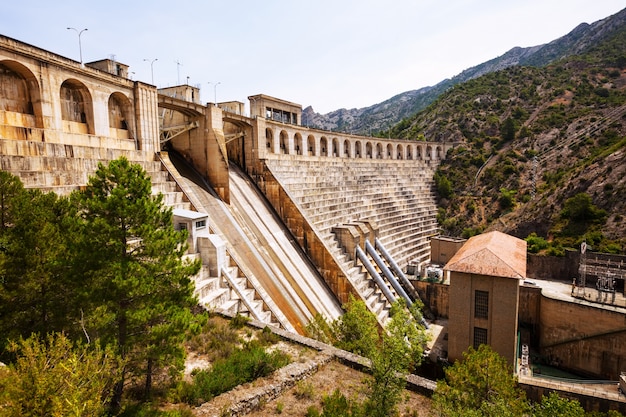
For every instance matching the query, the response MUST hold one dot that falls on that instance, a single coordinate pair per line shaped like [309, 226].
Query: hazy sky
[329, 54]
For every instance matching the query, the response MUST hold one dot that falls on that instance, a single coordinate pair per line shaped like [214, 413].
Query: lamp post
[152, 67]
[80, 47]
[215, 91]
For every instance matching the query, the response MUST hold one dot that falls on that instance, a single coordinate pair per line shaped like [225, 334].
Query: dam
[289, 221]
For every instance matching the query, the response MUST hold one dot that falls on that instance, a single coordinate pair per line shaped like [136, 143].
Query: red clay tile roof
[494, 254]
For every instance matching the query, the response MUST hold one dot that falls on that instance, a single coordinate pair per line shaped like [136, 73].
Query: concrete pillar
[213, 253]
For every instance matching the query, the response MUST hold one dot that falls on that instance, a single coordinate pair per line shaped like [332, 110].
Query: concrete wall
[583, 338]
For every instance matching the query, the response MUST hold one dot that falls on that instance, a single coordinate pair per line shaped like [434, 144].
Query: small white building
[196, 223]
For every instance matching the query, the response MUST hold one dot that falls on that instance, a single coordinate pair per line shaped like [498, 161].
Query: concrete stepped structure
[398, 198]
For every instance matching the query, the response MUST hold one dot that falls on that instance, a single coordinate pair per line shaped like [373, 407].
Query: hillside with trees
[539, 151]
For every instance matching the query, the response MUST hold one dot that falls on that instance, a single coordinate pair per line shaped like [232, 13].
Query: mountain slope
[383, 115]
[541, 150]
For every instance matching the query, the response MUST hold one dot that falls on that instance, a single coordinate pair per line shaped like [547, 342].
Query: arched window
[298, 144]
[346, 148]
[19, 93]
[409, 152]
[269, 139]
[284, 142]
[399, 152]
[76, 107]
[14, 92]
[389, 151]
[379, 151]
[357, 149]
[311, 145]
[368, 150]
[323, 146]
[335, 147]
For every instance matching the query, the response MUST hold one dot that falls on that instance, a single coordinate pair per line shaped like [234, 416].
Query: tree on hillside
[400, 350]
[357, 330]
[482, 384]
[137, 283]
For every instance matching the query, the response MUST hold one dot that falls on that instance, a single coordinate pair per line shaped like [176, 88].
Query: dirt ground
[351, 383]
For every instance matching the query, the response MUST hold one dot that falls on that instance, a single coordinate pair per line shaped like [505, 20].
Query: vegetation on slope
[529, 141]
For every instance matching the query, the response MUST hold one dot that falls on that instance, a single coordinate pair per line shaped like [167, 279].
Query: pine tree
[482, 384]
[138, 284]
[34, 293]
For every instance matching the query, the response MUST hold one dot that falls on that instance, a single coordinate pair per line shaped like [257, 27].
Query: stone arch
[335, 150]
[120, 116]
[323, 146]
[419, 152]
[369, 152]
[284, 142]
[409, 152]
[429, 152]
[379, 150]
[269, 139]
[358, 153]
[389, 154]
[310, 144]
[297, 139]
[20, 93]
[346, 148]
[399, 151]
[76, 107]
[438, 151]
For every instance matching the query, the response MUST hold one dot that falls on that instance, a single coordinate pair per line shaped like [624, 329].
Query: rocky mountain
[541, 150]
[381, 116]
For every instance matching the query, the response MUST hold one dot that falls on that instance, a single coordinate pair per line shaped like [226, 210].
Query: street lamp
[215, 91]
[80, 48]
[152, 67]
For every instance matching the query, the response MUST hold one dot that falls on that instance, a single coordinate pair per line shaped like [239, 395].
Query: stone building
[485, 278]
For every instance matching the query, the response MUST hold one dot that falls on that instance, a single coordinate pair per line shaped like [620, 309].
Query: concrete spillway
[261, 247]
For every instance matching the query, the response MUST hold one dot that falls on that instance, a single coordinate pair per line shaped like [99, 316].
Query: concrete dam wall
[278, 238]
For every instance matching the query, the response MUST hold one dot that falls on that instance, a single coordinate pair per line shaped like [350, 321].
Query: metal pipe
[396, 269]
[377, 279]
[369, 249]
[399, 273]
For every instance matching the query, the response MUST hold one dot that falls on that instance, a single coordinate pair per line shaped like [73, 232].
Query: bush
[536, 243]
[244, 365]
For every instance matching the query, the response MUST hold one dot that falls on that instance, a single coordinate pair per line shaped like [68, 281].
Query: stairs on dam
[397, 197]
[274, 281]
[366, 287]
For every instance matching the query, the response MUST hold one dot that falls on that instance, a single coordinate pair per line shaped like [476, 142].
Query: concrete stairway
[230, 292]
[397, 196]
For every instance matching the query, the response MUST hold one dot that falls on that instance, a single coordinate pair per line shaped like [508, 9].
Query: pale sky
[329, 54]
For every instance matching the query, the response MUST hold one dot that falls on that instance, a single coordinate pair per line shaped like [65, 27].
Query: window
[200, 224]
[481, 304]
[182, 226]
[480, 337]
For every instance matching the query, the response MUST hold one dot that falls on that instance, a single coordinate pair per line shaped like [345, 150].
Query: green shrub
[536, 243]
[244, 365]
